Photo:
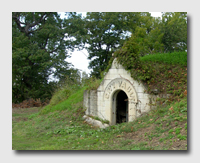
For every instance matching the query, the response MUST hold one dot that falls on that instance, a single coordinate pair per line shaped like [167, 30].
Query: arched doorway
[121, 107]
[119, 95]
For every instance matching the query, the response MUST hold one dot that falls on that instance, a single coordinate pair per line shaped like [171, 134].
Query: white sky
[79, 60]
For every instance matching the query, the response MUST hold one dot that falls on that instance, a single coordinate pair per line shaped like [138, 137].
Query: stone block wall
[90, 102]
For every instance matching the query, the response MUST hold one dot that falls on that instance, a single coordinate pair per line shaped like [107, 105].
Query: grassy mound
[68, 104]
[166, 73]
[59, 126]
[176, 58]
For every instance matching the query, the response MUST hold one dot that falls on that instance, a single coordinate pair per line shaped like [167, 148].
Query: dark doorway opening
[121, 107]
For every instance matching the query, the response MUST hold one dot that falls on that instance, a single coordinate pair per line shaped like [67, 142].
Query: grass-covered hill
[59, 125]
[166, 72]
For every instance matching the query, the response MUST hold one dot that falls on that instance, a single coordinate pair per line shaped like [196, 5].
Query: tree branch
[33, 24]
[18, 22]
[25, 29]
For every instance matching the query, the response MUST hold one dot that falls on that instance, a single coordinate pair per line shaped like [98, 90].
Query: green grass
[176, 58]
[67, 104]
[166, 72]
[66, 130]
[59, 126]
[59, 96]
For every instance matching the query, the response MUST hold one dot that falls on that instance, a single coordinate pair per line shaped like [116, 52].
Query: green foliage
[93, 83]
[66, 87]
[70, 86]
[185, 126]
[177, 130]
[170, 131]
[84, 78]
[174, 28]
[39, 44]
[182, 137]
[155, 35]
[40, 40]
[108, 67]
[128, 55]
[165, 72]
[148, 40]
[105, 32]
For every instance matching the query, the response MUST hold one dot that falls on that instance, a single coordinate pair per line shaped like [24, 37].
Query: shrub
[30, 103]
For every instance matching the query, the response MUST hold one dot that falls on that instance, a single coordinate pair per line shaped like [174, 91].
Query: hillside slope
[164, 128]
[61, 126]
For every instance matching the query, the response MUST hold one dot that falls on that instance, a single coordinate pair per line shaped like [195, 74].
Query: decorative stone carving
[121, 84]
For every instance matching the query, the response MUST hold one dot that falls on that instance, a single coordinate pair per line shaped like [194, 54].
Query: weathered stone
[94, 122]
[90, 102]
[108, 101]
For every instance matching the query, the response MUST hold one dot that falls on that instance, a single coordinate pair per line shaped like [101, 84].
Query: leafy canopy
[39, 50]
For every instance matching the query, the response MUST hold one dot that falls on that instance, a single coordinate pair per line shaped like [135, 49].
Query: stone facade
[118, 92]
[90, 102]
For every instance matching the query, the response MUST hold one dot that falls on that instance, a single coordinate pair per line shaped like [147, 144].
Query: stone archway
[110, 98]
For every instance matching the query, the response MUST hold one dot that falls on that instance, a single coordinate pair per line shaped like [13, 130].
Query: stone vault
[119, 98]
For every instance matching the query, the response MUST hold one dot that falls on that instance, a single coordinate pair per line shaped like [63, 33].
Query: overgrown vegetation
[166, 72]
[31, 103]
[93, 83]
[109, 31]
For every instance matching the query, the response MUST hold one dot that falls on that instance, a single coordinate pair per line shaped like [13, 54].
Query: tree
[155, 35]
[38, 50]
[174, 28]
[104, 33]
[148, 35]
